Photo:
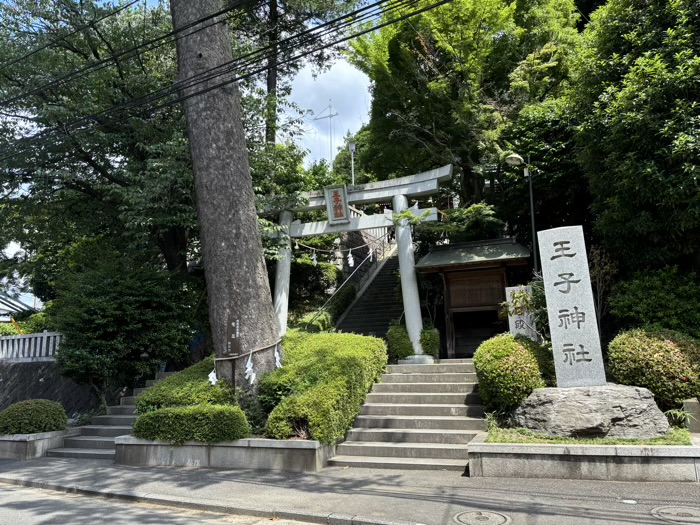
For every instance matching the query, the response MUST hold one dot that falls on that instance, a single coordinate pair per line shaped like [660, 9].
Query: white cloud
[348, 89]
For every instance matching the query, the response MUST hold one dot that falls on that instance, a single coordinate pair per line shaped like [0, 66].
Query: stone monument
[584, 404]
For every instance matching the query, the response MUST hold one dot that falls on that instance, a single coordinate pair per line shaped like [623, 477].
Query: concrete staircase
[96, 441]
[378, 305]
[419, 417]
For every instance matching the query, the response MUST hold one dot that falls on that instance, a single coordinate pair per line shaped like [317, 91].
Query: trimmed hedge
[322, 323]
[665, 362]
[430, 342]
[398, 343]
[507, 370]
[189, 387]
[204, 423]
[321, 387]
[33, 416]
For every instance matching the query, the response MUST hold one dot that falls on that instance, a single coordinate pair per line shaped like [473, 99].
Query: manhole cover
[482, 518]
[687, 515]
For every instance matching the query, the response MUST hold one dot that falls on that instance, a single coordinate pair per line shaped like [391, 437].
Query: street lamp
[351, 146]
[516, 160]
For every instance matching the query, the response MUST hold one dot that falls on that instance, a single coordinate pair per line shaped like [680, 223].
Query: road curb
[331, 518]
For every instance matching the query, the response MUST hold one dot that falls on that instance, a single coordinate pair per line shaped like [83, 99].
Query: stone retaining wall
[41, 380]
[263, 454]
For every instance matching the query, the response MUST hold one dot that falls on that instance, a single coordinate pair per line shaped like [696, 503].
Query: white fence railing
[30, 347]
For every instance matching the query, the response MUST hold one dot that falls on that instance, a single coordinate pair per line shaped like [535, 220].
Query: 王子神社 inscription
[578, 359]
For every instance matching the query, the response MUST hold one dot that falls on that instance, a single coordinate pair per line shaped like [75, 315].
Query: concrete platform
[585, 462]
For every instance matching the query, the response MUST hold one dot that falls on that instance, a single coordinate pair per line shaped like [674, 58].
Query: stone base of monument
[585, 462]
[612, 411]
[253, 453]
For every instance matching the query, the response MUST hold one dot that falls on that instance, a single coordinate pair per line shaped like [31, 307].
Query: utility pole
[237, 285]
[330, 116]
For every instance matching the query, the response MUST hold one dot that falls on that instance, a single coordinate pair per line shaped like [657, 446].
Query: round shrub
[32, 416]
[430, 342]
[657, 361]
[507, 372]
[398, 343]
[204, 423]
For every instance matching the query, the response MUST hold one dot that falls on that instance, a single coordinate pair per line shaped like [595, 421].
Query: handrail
[320, 310]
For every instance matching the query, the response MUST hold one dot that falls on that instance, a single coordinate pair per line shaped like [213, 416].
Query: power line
[131, 52]
[75, 31]
[71, 129]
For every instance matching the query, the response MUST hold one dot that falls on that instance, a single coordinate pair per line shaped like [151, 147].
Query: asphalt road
[29, 506]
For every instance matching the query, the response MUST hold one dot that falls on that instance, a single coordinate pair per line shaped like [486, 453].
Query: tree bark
[271, 99]
[237, 284]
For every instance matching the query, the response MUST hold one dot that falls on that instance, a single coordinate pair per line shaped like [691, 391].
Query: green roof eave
[479, 252]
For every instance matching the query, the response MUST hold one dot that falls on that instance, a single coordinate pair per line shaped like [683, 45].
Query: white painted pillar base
[409, 283]
[283, 270]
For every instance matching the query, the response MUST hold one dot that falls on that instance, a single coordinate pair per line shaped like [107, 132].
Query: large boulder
[613, 411]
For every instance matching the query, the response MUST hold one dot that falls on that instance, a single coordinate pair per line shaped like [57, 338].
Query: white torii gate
[399, 190]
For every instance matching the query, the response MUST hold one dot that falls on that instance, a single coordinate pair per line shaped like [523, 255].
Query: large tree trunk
[237, 283]
[271, 99]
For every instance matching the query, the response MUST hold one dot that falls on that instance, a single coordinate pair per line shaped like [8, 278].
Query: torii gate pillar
[283, 270]
[409, 283]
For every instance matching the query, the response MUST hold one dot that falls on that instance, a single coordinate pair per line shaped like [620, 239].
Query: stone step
[105, 430]
[151, 382]
[164, 375]
[428, 378]
[396, 409]
[121, 410]
[114, 420]
[92, 442]
[421, 422]
[403, 450]
[128, 401]
[139, 391]
[430, 388]
[456, 465]
[409, 398]
[438, 436]
[81, 453]
[440, 368]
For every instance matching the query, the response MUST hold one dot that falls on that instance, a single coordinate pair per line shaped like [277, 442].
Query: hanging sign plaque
[337, 204]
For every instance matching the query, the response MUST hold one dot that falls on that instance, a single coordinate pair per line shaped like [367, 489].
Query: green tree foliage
[120, 320]
[440, 83]
[475, 223]
[664, 299]
[636, 86]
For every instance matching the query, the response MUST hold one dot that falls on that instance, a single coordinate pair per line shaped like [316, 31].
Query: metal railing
[30, 347]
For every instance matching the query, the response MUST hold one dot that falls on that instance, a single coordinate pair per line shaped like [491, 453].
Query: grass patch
[675, 436]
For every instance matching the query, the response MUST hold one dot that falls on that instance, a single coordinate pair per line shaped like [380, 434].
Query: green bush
[430, 342]
[661, 299]
[321, 323]
[507, 371]
[309, 281]
[35, 323]
[32, 416]
[7, 329]
[321, 387]
[204, 423]
[544, 356]
[189, 387]
[398, 343]
[663, 362]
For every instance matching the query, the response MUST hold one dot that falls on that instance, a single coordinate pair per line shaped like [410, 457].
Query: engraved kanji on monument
[521, 324]
[578, 359]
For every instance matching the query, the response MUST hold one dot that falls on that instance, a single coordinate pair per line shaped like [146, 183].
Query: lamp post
[516, 160]
[351, 146]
